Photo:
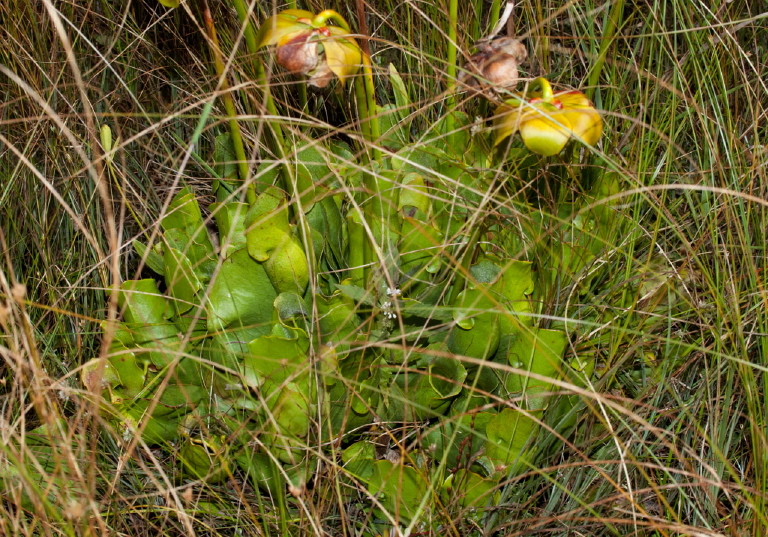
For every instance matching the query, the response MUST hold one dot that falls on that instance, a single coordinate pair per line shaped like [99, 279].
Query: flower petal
[573, 99]
[506, 120]
[342, 54]
[286, 22]
[585, 121]
[547, 120]
[545, 133]
[586, 124]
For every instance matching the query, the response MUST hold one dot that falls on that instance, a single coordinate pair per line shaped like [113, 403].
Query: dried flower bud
[299, 54]
[495, 64]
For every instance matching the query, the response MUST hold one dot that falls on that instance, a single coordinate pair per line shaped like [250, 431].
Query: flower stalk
[277, 141]
[251, 43]
[307, 45]
[229, 103]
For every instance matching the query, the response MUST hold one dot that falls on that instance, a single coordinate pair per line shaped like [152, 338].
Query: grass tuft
[670, 434]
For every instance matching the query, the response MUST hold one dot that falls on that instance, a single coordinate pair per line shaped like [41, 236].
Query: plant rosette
[307, 45]
[547, 120]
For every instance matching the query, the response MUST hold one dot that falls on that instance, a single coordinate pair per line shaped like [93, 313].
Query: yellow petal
[543, 134]
[506, 121]
[585, 121]
[284, 23]
[573, 99]
[586, 124]
[342, 54]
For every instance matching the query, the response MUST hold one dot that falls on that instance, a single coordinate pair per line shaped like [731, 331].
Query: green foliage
[234, 332]
[577, 339]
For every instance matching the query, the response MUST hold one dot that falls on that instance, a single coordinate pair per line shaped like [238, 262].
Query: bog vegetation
[383, 268]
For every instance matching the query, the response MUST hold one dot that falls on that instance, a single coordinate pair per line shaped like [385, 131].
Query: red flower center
[554, 102]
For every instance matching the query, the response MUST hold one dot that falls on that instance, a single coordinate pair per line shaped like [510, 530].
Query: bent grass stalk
[229, 103]
[277, 140]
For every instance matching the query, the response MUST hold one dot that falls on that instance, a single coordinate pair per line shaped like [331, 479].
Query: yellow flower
[307, 45]
[547, 120]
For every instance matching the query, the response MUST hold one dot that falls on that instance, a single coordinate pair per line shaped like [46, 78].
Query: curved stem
[545, 88]
[329, 14]
[229, 103]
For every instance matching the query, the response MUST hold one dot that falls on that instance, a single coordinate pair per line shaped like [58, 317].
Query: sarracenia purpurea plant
[346, 288]
[647, 249]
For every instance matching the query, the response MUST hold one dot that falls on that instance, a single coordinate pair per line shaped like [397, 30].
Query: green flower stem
[365, 91]
[329, 14]
[303, 99]
[450, 101]
[357, 251]
[371, 116]
[229, 103]
[375, 209]
[362, 254]
[277, 141]
[369, 179]
[546, 88]
[362, 108]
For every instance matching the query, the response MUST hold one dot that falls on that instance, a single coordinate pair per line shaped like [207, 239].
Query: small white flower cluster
[386, 307]
[477, 127]
[387, 310]
[128, 432]
[393, 292]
